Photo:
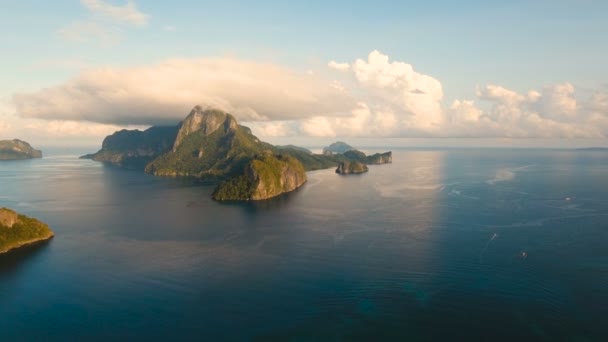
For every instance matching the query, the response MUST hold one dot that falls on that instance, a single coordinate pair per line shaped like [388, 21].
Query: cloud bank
[371, 97]
[165, 93]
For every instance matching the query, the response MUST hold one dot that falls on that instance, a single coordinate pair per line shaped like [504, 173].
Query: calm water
[491, 244]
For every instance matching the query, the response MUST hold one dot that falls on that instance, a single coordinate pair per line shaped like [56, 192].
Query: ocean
[453, 244]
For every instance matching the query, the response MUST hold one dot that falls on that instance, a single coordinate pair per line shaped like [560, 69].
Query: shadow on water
[252, 208]
[13, 261]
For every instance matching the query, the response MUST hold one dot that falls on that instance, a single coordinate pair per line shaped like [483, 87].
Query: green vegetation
[223, 153]
[134, 149]
[17, 230]
[210, 145]
[337, 147]
[17, 149]
[266, 176]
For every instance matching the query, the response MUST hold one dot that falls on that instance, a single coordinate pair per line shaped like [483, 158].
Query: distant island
[347, 168]
[593, 149]
[17, 150]
[337, 147]
[210, 145]
[19, 230]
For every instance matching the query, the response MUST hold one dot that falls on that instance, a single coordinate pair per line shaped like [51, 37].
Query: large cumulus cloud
[164, 93]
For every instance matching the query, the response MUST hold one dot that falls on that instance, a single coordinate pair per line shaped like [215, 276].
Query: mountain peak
[205, 120]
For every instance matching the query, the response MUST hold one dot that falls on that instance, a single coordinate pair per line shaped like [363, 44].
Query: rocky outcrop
[19, 230]
[380, 158]
[209, 144]
[8, 217]
[204, 122]
[265, 177]
[17, 150]
[347, 168]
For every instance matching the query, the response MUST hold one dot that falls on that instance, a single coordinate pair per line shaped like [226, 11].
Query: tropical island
[348, 168]
[17, 150]
[18, 230]
[210, 145]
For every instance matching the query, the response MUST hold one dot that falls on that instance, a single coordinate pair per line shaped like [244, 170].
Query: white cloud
[164, 93]
[104, 24]
[273, 128]
[373, 97]
[63, 128]
[127, 13]
[4, 126]
[169, 28]
[338, 66]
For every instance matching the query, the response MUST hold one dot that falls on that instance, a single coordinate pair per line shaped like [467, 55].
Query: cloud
[338, 66]
[169, 28]
[63, 128]
[4, 126]
[372, 97]
[127, 13]
[106, 25]
[397, 101]
[164, 93]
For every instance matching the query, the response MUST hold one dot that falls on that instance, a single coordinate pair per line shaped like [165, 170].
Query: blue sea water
[440, 245]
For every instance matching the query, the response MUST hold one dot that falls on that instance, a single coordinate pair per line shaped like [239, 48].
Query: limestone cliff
[264, 177]
[210, 144]
[17, 149]
[347, 167]
[202, 121]
[380, 158]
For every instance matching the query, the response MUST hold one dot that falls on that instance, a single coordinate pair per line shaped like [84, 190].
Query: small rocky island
[348, 168]
[17, 150]
[210, 145]
[19, 230]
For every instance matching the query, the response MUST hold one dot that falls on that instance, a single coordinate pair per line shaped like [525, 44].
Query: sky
[410, 73]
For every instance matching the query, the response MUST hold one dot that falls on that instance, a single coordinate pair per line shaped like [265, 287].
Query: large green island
[19, 230]
[17, 150]
[210, 145]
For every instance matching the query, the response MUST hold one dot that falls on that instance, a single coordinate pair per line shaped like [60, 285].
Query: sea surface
[463, 244]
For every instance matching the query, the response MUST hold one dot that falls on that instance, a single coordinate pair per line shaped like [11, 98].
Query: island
[210, 145]
[19, 230]
[337, 147]
[17, 150]
[347, 168]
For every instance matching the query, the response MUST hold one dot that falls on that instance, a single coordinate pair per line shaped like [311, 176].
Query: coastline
[26, 243]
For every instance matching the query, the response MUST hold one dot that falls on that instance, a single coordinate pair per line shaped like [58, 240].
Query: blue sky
[464, 45]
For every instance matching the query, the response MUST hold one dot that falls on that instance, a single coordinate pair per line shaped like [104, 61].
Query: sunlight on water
[439, 245]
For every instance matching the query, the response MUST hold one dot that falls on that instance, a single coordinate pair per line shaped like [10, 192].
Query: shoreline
[26, 243]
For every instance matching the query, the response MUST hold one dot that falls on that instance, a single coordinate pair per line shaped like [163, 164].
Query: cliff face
[135, 148]
[202, 121]
[346, 168]
[17, 149]
[265, 177]
[272, 176]
[19, 230]
[212, 146]
[380, 158]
